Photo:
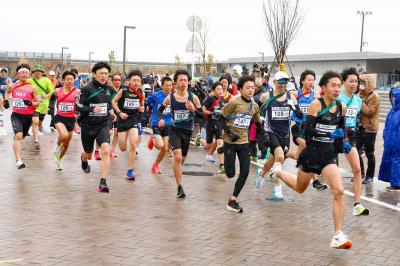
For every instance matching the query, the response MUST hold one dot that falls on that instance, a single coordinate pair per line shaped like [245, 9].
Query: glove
[337, 134]
[346, 146]
[233, 137]
[264, 140]
[299, 113]
[6, 104]
[28, 103]
[143, 121]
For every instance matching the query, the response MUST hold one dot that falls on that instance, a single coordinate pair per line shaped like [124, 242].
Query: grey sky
[236, 27]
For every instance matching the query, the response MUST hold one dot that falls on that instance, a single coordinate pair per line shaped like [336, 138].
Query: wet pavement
[59, 218]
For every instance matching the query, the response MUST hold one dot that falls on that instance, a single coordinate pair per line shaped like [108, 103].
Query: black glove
[28, 103]
[143, 121]
[233, 137]
[6, 104]
[299, 113]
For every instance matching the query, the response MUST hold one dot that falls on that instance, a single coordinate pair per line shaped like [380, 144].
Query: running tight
[242, 151]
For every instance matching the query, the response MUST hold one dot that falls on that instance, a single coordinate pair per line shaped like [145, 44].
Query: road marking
[10, 261]
[378, 202]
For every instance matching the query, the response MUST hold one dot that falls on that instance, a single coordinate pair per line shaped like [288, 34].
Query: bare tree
[282, 19]
[204, 42]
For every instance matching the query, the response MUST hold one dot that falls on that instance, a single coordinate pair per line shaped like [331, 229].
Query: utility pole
[363, 14]
[124, 55]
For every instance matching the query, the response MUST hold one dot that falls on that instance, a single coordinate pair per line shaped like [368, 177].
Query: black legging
[242, 151]
[368, 141]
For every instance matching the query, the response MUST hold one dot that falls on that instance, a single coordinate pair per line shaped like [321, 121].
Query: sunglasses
[117, 80]
[282, 82]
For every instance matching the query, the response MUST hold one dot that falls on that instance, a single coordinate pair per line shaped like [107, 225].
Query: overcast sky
[236, 27]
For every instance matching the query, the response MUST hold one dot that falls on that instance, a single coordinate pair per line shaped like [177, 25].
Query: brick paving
[58, 218]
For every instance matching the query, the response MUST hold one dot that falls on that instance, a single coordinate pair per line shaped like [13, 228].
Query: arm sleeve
[83, 104]
[311, 131]
[160, 111]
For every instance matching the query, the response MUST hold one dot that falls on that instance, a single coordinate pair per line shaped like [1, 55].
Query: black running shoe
[317, 185]
[181, 194]
[85, 166]
[368, 180]
[103, 187]
[234, 206]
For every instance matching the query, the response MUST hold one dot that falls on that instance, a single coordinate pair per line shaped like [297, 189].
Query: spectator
[369, 125]
[4, 82]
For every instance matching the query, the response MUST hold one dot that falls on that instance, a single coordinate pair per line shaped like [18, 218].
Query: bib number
[65, 107]
[351, 111]
[103, 107]
[181, 115]
[19, 103]
[280, 113]
[304, 108]
[131, 103]
[242, 122]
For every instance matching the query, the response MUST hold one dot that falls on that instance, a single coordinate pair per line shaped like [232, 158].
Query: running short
[21, 123]
[212, 130]
[163, 132]
[314, 159]
[89, 135]
[179, 140]
[127, 124]
[352, 136]
[275, 142]
[296, 133]
[69, 122]
[41, 116]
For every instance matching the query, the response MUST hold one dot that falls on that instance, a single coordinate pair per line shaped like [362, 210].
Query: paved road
[49, 217]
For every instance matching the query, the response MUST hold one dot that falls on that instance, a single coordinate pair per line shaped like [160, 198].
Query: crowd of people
[248, 119]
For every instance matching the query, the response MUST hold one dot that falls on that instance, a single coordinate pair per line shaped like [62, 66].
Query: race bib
[181, 114]
[131, 103]
[19, 103]
[167, 110]
[304, 108]
[243, 121]
[351, 111]
[103, 107]
[280, 113]
[65, 107]
[324, 128]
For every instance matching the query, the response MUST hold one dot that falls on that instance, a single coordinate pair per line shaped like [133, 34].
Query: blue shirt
[353, 106]
[304, 104]
[155, 100]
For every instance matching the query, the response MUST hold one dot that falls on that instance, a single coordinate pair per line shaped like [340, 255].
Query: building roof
[318, 57]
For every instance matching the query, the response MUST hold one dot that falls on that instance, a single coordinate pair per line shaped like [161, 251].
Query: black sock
[102, 181]
[356, 203]
[221, 164]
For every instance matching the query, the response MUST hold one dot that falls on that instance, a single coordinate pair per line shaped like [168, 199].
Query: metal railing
[385, 81]
[30, 55]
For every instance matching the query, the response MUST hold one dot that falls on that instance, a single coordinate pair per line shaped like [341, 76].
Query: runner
[5, 81]
[353, 105]
[45, 89]
[224, 80]
[212, 106]
[235, 121]
[159, 138]
[129, 106]
[183, 106]
[24, 100]
[116, 80]
[64, 120]
[276, 108]
[324, 124]
[95, 106]
[305, 95]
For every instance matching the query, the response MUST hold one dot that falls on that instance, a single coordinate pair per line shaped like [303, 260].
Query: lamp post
[363, 14]
[62, 57]
[90, 60]
[124, 54]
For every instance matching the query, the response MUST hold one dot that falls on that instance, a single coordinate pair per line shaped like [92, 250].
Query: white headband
[23, 69]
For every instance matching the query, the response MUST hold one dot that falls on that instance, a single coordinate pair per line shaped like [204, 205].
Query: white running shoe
[20, 164]
[210, 158]
[59, 165]
[36, 144]
[277, 192]
[341, 241]
[56, 152]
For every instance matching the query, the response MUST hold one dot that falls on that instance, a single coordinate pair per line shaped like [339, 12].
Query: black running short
[163, 132]
[315, 158]
[127, 124]
[296, 133]
[89, 135]
[179, 140]
[41, 116]
[212, 130]
[69, 122]
[276, 141]
[21, 123]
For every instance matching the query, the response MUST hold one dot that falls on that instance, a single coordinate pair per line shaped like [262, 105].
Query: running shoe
[85, 166]
[97, 156]
[359, 210]
[181, 193]
[277, 193]
[318, 185]
[155, 169]
[393, 189]
[113, 154]
[253, 159]
[221, 169]
[130, 175]
[103, 187]
[220, 149]
[368, 180]
[150, 142]
[59, 165]
[56, 152]
[341, 241]
[197, 141]
[210, 158]
[36, 144]
[259, 181]
[234, 206]
[20, 164]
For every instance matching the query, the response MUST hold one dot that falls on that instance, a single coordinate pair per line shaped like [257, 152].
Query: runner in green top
[45, 89]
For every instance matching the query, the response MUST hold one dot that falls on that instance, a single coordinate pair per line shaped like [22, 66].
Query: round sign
[194, 23]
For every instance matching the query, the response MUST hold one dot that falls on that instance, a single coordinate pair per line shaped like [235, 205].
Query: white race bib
[181, 115]
[103, 107]
[351, 111]
[243, 121]
[131, 103]
[65, 107]
[280, 113]
[324, 128]
[19, 103]
[304, 108]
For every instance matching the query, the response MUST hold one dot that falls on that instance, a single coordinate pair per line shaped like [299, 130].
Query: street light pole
[90, 60]
[62, 57]
[124, 53]
[363, 14]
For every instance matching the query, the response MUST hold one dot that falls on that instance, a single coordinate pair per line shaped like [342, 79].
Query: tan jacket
[370, 110]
